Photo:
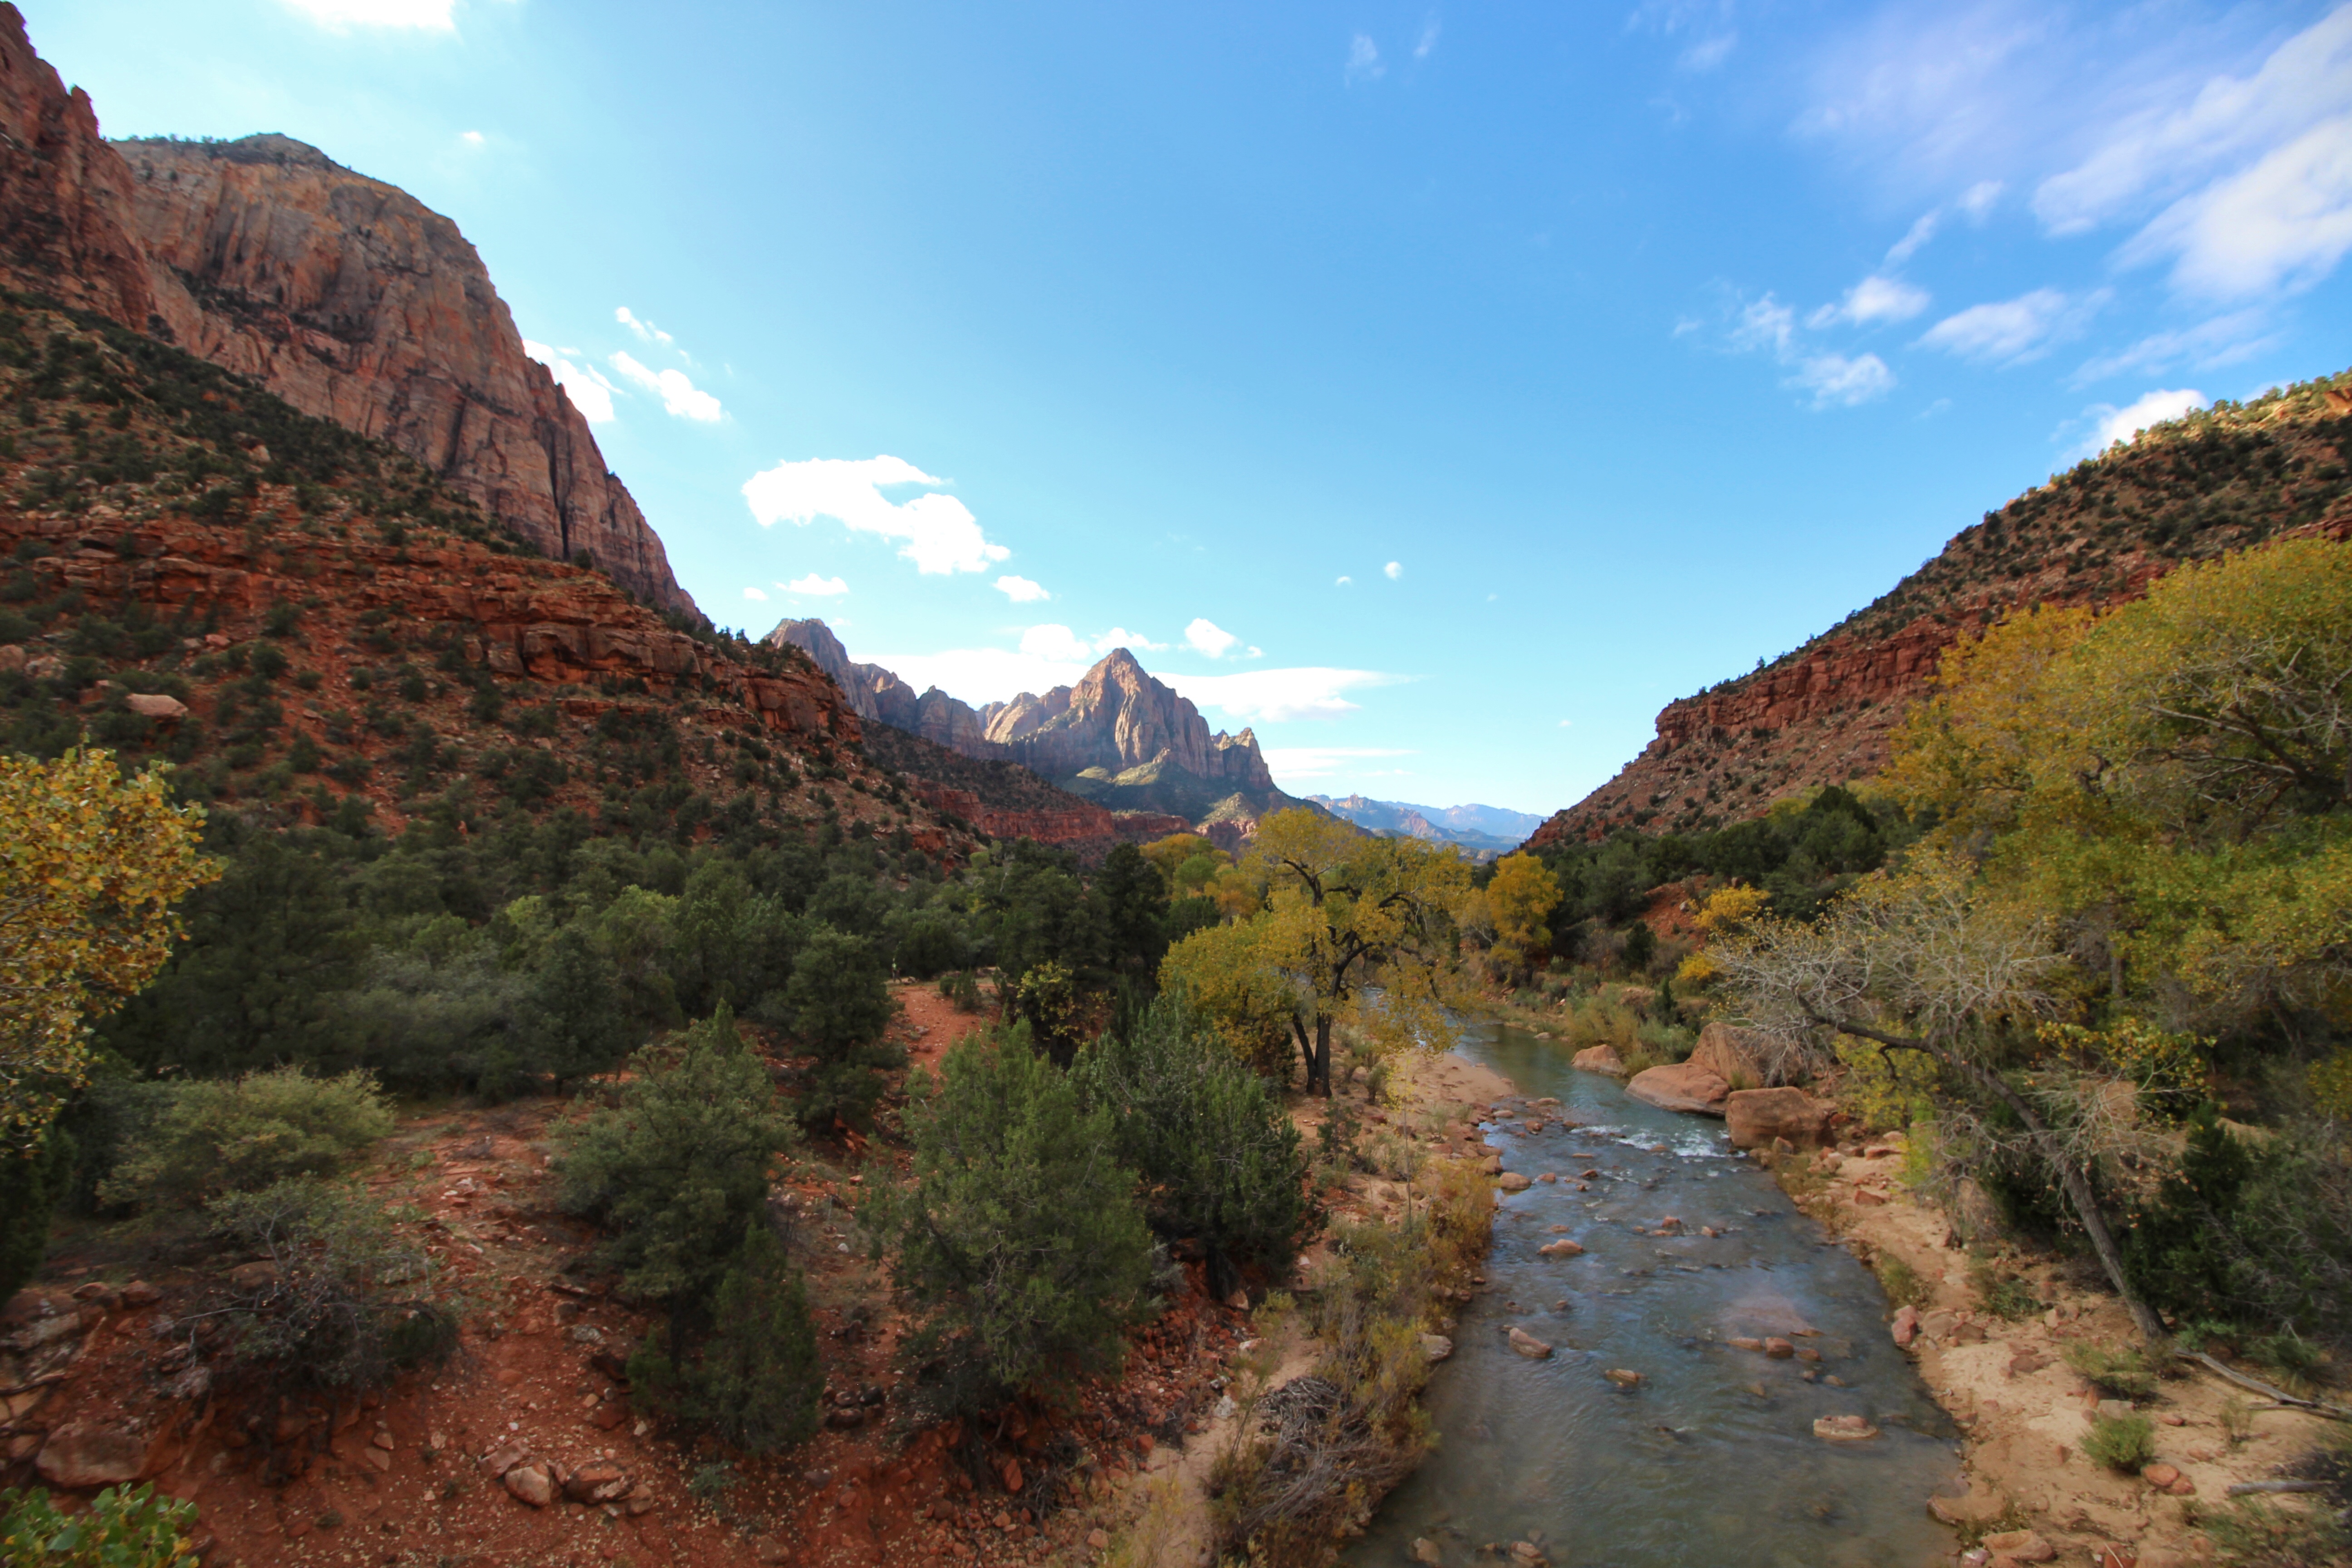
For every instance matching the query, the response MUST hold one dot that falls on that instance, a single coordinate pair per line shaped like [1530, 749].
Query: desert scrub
[2001, 1293]
[246, 1133]
[2123, 1373]
[1310, 1459]
[121, 1529]
[2124, 1442]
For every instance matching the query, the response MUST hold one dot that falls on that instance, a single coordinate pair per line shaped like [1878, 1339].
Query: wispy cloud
[1876, 298]
[814, 587]
[1021, 590]
[759, 593]
[677, 392]
[1323, 762]
[1427, 42]
[1837, 381]
[1343, 582]
[939, 532]
[646, 331]
[1704, 28]
[1274, 695]
[2224, 339]
[590, 391]
[1393, 570]
[2011, 331]
[1832, 379]
[1204, 636]
[1979, 200]
[1363, 61]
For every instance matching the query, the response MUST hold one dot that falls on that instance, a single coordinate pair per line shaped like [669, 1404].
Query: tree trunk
[2079, 1197]
[1306, 1051]
[1322, 1075]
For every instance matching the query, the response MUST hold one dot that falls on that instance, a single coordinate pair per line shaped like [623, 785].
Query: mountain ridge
[2211, 481]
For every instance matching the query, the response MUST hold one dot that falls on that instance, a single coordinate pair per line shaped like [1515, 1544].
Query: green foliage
[243, 1134]
[2125, 1443]
[679, 1168]
[346, 1301]
[1019, 1237]
[1901, 1281]
[1217, 1150]
[2001, 1293]
[753, 1378]
[122, 1527]
[838, 998]
[2121, 1373]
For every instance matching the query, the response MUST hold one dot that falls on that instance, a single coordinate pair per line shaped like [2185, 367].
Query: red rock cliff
[347, 296]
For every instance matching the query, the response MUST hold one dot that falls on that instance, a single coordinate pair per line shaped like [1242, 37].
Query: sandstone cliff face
[2097, 535]
[354, 302]
[874, 692]
[345, 296]
[65, 197]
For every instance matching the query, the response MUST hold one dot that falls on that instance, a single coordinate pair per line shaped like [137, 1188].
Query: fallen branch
[2333, 1412]
[2246, 1488]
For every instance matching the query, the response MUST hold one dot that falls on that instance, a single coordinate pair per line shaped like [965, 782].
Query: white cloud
[2011, 331]
[646, 331]
[1708, 53]
[761, 594]
[815, 587]
[1322, 762]
[1363, 61]
[1979, 200]
[2281, 226]
[1833, 378]
[1568, 723]
[940, 533]
[1764, 323]
[429, 16]
[1276, 695]
[980, 675]
[680, 395]
[1875, 299]
[470, 138]
[1207, 636]
[2110, 424]
[2253, 174]
[1427, 41]
[1021, 590]
[1393, 570]
[1343, 582]
[1120, 637]
[584, 384]
[1057, 644]
[1920, 232]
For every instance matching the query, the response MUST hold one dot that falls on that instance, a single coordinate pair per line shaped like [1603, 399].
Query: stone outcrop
[1601, 1059]
[1748, 1058]
[1754, 1117]
[345, 296]
[1680, 1086]
[1822, 714]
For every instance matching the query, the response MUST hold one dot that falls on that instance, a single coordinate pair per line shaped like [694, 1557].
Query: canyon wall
[345, 296]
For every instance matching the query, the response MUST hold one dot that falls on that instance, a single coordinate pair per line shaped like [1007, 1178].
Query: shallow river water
[1711, 1460]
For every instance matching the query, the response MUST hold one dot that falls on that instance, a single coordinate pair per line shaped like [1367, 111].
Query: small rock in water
[1757, 1389]
[1778, 1349]
[1742, 1343]
[1623, 1378]
[1527, 1346]
[1426, 1551]
[1844, 1429]
[1513, 1182]
[1436, 1347]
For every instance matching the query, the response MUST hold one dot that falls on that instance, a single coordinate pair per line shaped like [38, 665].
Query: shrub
[30, 1185]
[2001, 1293]
[838, 998]
[2123, 1443]
[246, 1133]
[1019, 1237]
[122, 1529]
[679, 1168]
[345, 1302]
[2121, 1373]
[754, 1377]
[1901, 1281]
[1217, 1153]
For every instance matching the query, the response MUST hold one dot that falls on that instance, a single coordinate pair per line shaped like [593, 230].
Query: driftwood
[2317, 1407]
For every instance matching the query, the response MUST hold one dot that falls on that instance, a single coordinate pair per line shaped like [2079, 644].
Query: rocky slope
[2197, 487]
[1118, 738]
[200, 574]
[345, 296]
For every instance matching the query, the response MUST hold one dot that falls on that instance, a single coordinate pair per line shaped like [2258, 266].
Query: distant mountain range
[1488, 828]
[1118, 738]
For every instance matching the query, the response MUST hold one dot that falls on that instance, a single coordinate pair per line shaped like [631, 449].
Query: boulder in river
[1436, 1347]
[1559, 1249]
[1623, 1378]
[1527, 1346]
[1681, 1087]
[1513, 1182]
[1756, 1116]
[1844, 1429]
[1599, 1058]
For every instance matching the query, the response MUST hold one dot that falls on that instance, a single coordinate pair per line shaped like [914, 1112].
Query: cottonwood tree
[1348, 912]
[1519, 900]
[1929, 961]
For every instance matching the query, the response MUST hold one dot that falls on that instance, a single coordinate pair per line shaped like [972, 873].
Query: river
[1710, 1459]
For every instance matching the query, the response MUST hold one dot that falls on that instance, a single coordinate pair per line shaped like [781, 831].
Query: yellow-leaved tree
[1360, 928]
[90, 865]
[1519, 900]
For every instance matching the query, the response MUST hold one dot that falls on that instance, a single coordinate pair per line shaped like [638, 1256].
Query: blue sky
[1438, 391]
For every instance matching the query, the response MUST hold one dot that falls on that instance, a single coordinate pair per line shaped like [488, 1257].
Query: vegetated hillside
[306, 621]
[2210, 482]
[1005, 800]
[345, 296]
